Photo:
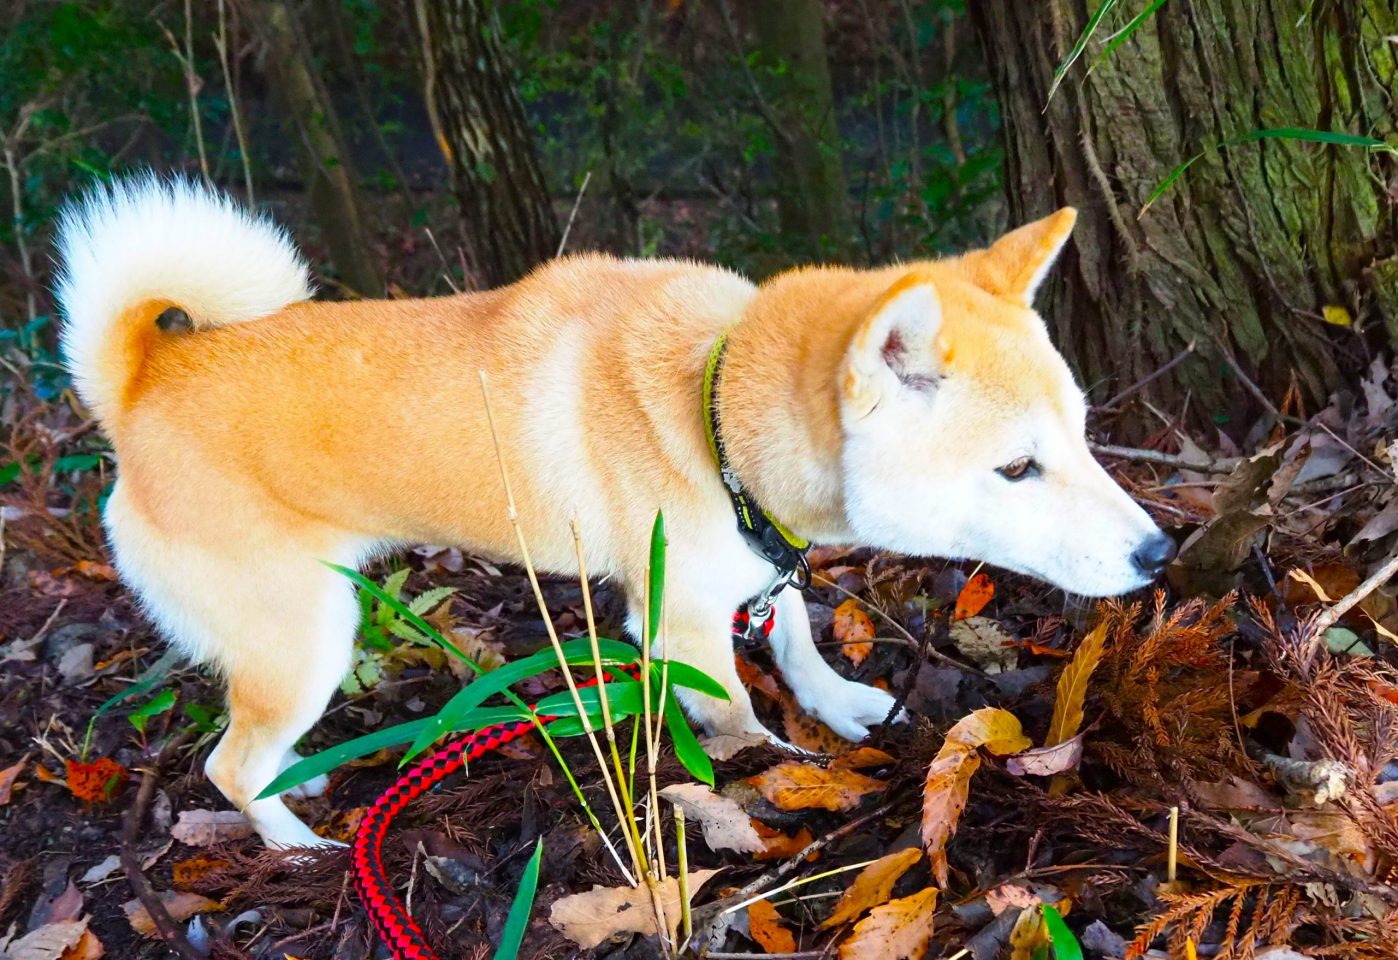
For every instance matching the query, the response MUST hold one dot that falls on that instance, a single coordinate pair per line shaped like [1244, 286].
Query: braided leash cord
[395, 926]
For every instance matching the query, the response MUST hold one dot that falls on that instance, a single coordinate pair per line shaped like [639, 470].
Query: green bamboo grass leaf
[656, 589]
[1274, 133]
[513, 934]
[327, 760]
[452, 717]
[1093, 22]
[623, 697]
[1065, 945]
[683, 675]
[1125, 33]
[687, 746]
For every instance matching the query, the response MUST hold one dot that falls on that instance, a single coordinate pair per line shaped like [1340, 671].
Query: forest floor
[1273, 737]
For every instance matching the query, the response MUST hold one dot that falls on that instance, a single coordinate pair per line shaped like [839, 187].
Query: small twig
[221, 44]
[1172, 853]
[913, 641]
[568, 227]
[1252, 387]
[1331, 616]
[165, 925]
[418, 852]
[800, 881]
[1139, 455]
[1145, 381]
[446, 270]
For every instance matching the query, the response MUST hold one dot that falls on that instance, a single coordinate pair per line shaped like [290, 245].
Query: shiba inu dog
[918, 408]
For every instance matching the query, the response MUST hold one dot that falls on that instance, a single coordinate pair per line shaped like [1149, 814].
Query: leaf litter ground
[1049, 743]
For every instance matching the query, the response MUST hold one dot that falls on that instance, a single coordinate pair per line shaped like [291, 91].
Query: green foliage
[513, 933]
[1065, 945]
[162, 702]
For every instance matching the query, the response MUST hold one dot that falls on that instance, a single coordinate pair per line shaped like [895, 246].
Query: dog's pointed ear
[899, 346]
[1017, 263]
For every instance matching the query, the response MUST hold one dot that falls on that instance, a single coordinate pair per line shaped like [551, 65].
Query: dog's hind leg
[247, 596]
[845, 706]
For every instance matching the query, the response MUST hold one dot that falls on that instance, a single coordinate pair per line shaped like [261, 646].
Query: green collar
[769, 538]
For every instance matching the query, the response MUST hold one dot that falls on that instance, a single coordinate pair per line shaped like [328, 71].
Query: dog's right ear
[899, 346]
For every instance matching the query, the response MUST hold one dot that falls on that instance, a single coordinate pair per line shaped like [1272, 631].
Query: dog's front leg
[700, 634]
[845, 706]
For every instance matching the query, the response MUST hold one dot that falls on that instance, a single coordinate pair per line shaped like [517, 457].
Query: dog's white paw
[850, 708]
[314, 787]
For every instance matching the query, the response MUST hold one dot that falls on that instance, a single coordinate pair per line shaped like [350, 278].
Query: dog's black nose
[1154, 555]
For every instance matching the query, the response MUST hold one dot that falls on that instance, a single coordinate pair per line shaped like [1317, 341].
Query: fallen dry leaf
[793, 785]
[590, 918]
[1029, 937]
[1047, 761]
[985, 643]
[188, 872]
[726, 825]
[783, 847]
[853, 631]
[1072, 687]
[805, 731]
[63, 940]
[949, 775]
[98, 781]
[862, 758]
[201, 828]
[897, 930]
[8, 776]
[767, 929]
[181, 906]
[756, 679]
[872, 887]
[1009, 895]
[978, 591]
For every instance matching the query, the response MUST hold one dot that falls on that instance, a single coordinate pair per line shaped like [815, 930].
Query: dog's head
[964, 429]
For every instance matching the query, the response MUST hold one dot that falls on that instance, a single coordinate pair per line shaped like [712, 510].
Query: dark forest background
[422, 146]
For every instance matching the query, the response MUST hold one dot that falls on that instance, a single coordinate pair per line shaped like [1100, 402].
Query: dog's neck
[778, 397]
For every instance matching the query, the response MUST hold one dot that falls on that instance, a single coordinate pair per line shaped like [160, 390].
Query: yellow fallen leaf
[1072, 692]
[853, 631]
[181, 906]
[793, 785]
[949, 775]
[1029, 937]
[898, 930]
[872, 887]
[767, 928]
[1072, 687]
[1337, 315]
[598, 914]
[1301, 576]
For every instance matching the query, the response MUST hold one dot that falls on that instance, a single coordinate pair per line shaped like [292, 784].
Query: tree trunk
[1246, 249]
[508, 218]
[812, 196]
[310, 116]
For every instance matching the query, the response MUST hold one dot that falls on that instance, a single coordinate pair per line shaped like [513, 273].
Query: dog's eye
[1019, 469]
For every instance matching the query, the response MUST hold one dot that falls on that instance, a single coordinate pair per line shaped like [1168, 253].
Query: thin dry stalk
[1172, 855]
[627, 806]
[192, 83]
[685, 916]
[513, 515]
[221, 44]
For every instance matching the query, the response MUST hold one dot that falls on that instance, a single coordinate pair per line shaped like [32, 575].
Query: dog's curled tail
[135, 248]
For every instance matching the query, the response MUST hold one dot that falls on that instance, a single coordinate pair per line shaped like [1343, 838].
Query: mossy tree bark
[1247, 248]
[812, 194]
[331, 182]
[508, 218]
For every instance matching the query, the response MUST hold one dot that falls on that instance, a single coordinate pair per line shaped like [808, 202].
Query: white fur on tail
[145, 238]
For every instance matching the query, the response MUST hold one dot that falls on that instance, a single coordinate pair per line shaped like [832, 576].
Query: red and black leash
[398, 930]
